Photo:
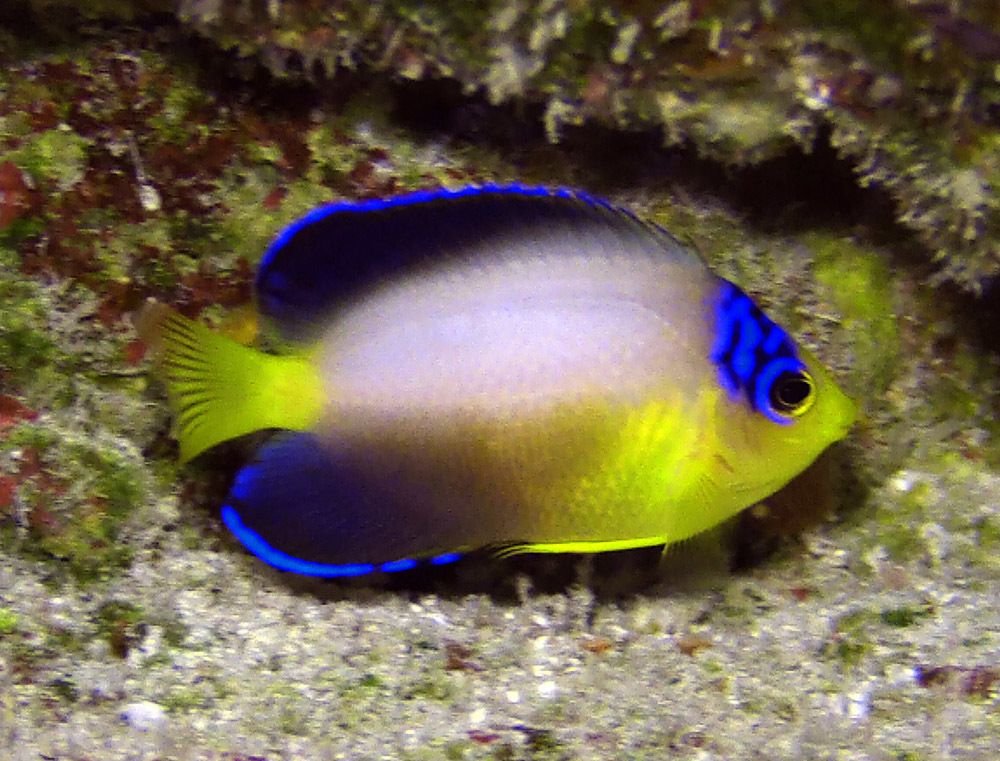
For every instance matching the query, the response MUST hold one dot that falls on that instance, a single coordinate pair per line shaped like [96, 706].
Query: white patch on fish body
[537, 326]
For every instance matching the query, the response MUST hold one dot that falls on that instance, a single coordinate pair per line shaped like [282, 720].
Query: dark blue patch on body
[304, 507]
[338, 252]
[750, 350]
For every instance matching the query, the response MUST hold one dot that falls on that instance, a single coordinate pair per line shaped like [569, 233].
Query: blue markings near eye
[743, 365]
[765, 380]
[775, 338]
[285, 562]
[750, 350]
[744, 360]
[728, 381]
[725, 322]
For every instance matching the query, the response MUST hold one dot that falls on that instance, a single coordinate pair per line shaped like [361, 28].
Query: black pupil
[789, 391]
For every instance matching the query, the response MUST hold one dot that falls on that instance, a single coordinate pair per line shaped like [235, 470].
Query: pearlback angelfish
[515, 367]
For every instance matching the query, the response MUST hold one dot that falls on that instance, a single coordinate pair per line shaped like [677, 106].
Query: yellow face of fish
[753, 455]
[817, 411]
[774, 409]
[503, 366]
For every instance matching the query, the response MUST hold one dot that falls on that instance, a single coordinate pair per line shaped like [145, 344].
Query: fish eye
[792, 393]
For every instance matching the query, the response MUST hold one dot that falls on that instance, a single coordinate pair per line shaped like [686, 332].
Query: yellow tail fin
[219, 389]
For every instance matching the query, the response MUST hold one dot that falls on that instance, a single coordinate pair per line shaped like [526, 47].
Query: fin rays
[220, 389]
[577, 546]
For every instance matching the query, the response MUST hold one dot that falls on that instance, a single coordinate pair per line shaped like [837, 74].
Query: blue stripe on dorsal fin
[304, 508]
[340, 250]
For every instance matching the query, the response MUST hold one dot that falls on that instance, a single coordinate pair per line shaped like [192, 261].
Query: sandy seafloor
[710, 665]
[873, 637]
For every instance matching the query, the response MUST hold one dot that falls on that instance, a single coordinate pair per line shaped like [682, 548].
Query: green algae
[882, 30]
[748, 127]
[331, 157]
[125, 10]
[176, 118]
[9, 621]
[77, 500]
[293, 720]
[858, 283]
[901, 543]
[62, 639]
[117, 259]
[25, 342]
[852, 640]
[905, 616]
[185, 700]
[988, 535]
[116, 623]
[64, 690]
[250, 226]
[55, 158]
[431, 687]
[174, 631]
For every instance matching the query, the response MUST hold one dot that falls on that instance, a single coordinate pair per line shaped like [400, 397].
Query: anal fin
[311, 508]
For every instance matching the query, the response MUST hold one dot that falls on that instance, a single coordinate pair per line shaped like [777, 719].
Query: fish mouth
[852, 415]
[847, 413]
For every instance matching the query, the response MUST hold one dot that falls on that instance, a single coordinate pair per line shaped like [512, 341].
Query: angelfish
[524, 368]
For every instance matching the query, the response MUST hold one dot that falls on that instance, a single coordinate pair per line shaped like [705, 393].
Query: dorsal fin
[341, 250]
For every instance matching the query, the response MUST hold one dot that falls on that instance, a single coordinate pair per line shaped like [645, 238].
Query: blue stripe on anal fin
[303, 508]
[285, 562]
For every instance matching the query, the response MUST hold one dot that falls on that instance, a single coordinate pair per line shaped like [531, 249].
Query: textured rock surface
[909, 92]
